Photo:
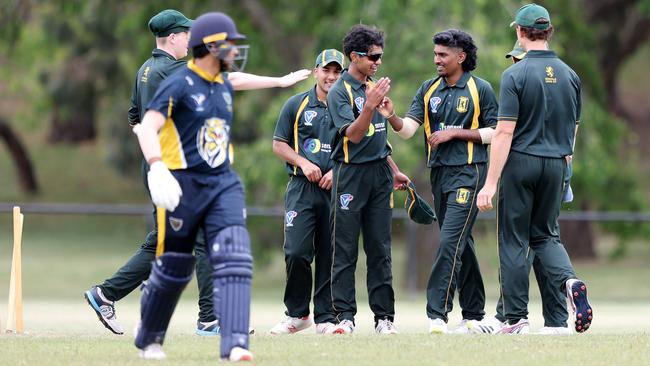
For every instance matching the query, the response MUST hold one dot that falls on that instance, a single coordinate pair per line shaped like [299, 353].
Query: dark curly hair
[534, 34]
[360, 37]
[455, 38]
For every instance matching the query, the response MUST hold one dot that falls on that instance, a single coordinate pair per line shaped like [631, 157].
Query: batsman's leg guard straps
[170, 273]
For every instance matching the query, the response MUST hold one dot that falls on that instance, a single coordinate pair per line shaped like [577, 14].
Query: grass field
[63, 256]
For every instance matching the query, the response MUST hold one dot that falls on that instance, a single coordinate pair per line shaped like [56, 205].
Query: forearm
[396, 122]
[499, 151]
[393, 166]
[244, 81]
[286, 153]
[147, 133]
[358, 129]
[467, 135]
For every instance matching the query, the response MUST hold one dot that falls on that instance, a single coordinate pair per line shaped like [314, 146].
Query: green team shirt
[470, 104]
[304, 124]
[542, 95]
[345, 100]
[157, 68]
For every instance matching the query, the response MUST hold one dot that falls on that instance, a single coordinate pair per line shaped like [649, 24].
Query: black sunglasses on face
[374, 57]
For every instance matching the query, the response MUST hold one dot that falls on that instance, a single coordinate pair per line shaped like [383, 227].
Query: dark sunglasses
[372, 57]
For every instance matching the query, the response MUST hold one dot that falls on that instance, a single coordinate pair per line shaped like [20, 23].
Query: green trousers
[530, 195]
[456, 267]
[554, 307]
[362, 203]
[137, 268]
[307, 239]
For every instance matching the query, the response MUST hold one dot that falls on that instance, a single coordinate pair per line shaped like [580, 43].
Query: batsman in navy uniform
[302, 138]
[184, 137]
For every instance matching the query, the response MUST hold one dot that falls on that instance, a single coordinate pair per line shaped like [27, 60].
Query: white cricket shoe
[554, 331]
[344, 327]
[385, 326]
[485, 326]
[104, 308]
[462, 327]
[437, 326]
[238, 354]
[325, 328]
[520, 327]
[291, 325]
[153, 351]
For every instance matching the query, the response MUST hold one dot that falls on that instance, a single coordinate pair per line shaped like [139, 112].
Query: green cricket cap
[532, 16]
[417, 208]
[328, 56]
[169, 21]
[517, 52]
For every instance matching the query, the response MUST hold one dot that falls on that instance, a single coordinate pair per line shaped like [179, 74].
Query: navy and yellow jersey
[304, 124]
[542, 95]
[199, 112]
[345, 100]
[157, 68]
[470, 104]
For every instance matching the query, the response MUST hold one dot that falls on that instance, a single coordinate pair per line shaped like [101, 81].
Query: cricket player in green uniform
[302, 138]
[458, 111]
[363, 182]
[538, 118]
[170, 28]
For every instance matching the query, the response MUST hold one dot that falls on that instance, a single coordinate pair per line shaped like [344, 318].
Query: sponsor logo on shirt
[358, 101]
[198, 99]
[312, 145]
[434, 103]
[309, 116]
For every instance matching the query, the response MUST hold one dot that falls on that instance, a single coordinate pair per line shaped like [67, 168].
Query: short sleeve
[509, 107]
[283, 127]
[340, 108]
[489, 106]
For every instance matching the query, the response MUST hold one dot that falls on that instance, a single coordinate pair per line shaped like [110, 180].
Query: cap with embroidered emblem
[169, 21]
[328, 56]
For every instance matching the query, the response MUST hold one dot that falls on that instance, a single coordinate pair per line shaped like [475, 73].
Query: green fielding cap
[532, 16]
[169, 21]
[517, 52]
[417, 208]
[328, 56]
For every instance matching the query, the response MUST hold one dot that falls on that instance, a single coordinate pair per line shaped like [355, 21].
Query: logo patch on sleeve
[462, 195]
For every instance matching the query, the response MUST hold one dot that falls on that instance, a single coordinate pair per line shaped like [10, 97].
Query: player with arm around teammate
[302, 138]
[538, 115]
[170, 27]
[458, 112]
[186, 144]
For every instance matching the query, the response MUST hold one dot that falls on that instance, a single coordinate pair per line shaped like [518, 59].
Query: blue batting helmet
[213, 27]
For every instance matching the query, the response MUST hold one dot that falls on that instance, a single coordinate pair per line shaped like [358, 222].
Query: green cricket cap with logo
[532, 16]
[517, 52]
[169, 21]
[328, 56]
[417, 208]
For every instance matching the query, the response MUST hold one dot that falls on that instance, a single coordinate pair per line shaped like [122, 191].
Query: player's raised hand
[386, 107]
[485, 195]
[165, 190]
[311, 171]
[376, 94]
[294, 77]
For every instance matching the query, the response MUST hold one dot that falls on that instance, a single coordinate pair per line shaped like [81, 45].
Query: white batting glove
[164, 189]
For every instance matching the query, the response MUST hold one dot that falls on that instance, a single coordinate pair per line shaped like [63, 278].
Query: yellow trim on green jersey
[203, 74]
[346, 154]
[427, 123]
[473, 91]
[160, 219]
[303, 104]
[170, 142]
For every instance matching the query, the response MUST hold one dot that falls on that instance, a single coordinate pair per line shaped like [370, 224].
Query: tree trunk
[578, 238]
[26, 177]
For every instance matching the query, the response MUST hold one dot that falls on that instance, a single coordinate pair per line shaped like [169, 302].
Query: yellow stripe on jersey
[303, 104]
[231, 153]
[170, 142]
[346, 154]
[161, 214]
[473, 92]
[427, 123]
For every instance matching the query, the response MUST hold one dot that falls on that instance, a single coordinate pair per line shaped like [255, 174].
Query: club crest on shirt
[289, 216]
[199, 99]
[462, 104]
[309, 116]
[345, 200]
[462, 195]
[212, 141]
[434, 103]
[312, 145]
[228, 99]
[175, 223]
[358, 101]
[550, 75]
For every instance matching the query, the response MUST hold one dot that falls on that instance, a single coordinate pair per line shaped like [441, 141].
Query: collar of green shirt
[313, 99]
[157, 52]
[541, 54]
[459, 84]
[356, 84]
